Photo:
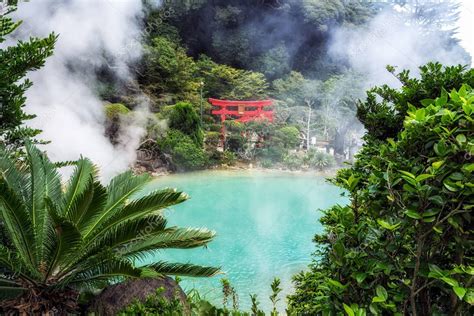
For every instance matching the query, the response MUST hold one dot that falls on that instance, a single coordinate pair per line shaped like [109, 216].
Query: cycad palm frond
[85, 234]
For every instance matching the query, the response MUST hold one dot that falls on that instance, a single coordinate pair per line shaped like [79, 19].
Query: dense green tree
[226, 82]
[66, 238]
[167, 69]
[289, 136]
[384, 119]
[15, 63]
[184, 117]
[275, 63]
[256, 35]
[185, 154]
[404, 243]
[302, 96]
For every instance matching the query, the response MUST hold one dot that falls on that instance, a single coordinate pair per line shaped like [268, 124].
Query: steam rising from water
[390, 40]
[92, 34]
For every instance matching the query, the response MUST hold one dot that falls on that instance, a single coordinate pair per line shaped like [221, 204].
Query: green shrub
[186, 155]
[289, 136]
[115, 110]
[293, 161]
[266, 163]
[272, 153]
[235, 142]
[183, 117]
[213, 138]
[403, 246]
[319, 160]
[155, 304]
[228, 158]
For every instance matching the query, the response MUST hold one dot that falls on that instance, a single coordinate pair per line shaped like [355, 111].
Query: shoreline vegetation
[243, 167]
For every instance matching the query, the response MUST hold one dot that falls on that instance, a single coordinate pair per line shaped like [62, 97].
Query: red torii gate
[242, 111]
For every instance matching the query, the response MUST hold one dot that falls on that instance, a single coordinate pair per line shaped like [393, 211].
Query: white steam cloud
[92, 34]
[390, 40]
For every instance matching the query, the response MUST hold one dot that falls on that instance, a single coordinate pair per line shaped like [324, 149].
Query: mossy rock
[117, 297]
[114, 110]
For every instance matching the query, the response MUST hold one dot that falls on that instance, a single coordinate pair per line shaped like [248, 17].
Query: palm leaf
[171, 238]
[18, 224]
[82, 177]
[154, 201]
[119, 191]
[9, 290]
[88, 206]
[131, 232]
[13, 174]
[44, 182]
[117, 240]
[106, 270]
[68, 240]
[184, 269]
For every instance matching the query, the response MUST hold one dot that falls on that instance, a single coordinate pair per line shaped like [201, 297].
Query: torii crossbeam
[242, 111]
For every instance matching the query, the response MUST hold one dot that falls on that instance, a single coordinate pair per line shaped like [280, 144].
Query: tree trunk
[308, 125]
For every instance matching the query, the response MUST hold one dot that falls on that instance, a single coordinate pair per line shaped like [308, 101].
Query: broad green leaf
[348, 310]
[450, 281]
[381, 292]
[437, 164]
[378, 299]
[469, 270]
[453, 222]
[408, 174]
[435, 271]
[429, 219]
[388, 226]
[422, 177]
[461, 138]
[450, 186]
[420, 115]
[438, 200]
[469, 167]
[412, 214]
[469, 297]
[427, 102]
[430, 213]
[460, 291]
[360, 276]
[336, 283]
[467, 108]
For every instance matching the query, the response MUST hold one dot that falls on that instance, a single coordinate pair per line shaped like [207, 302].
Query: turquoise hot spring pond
[265, 222]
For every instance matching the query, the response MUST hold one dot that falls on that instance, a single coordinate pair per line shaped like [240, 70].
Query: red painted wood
[217, 102]
[246, 115]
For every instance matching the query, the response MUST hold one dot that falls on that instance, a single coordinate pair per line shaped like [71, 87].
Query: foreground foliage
[196, 304]
[15, 62]
[404, 245]
[61, 239]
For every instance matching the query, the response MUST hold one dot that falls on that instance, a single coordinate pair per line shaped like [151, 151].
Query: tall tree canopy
[15, 62]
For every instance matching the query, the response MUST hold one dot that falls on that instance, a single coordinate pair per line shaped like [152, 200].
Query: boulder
[116, 297]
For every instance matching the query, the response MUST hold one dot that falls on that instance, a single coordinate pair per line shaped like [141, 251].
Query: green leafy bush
[183, 117]
[155, 304]
[228, 158]
[185, 154]
[293, 161]
[115, 110]
[404, 243]
[289, 136]
[319, 160]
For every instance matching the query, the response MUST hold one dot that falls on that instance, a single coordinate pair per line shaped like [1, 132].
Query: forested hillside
[251, 50]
